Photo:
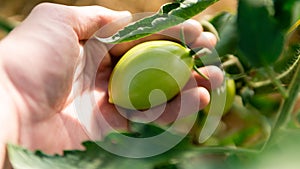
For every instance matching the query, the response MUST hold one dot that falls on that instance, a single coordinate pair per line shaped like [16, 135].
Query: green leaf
[169, 15]
[184, 155]
[91, 158]
[5, 25]
[286, 13]
[141, 130]
[225, 23]
[95, 157]
[260, 37]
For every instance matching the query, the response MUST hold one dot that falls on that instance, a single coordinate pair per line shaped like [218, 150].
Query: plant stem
[200, 73]
[210, 28]
[276, 81]
[282, 75]
[287, 105]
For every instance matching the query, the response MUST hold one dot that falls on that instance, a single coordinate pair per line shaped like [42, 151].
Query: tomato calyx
[196, 56]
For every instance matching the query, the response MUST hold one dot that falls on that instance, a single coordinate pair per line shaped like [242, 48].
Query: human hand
[39, 75]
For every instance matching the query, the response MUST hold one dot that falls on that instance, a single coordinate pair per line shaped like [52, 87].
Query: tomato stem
[276, 81]
[210, 28]
[285, 73]
[287, 106]
[200, 73]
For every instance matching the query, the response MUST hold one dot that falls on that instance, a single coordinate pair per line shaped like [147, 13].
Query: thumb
[88, 19]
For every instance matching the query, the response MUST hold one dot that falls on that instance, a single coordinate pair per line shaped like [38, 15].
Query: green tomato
[150, 74]
[230, 95]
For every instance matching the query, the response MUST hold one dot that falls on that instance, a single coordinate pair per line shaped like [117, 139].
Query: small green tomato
[150, 74]
[230, 95]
